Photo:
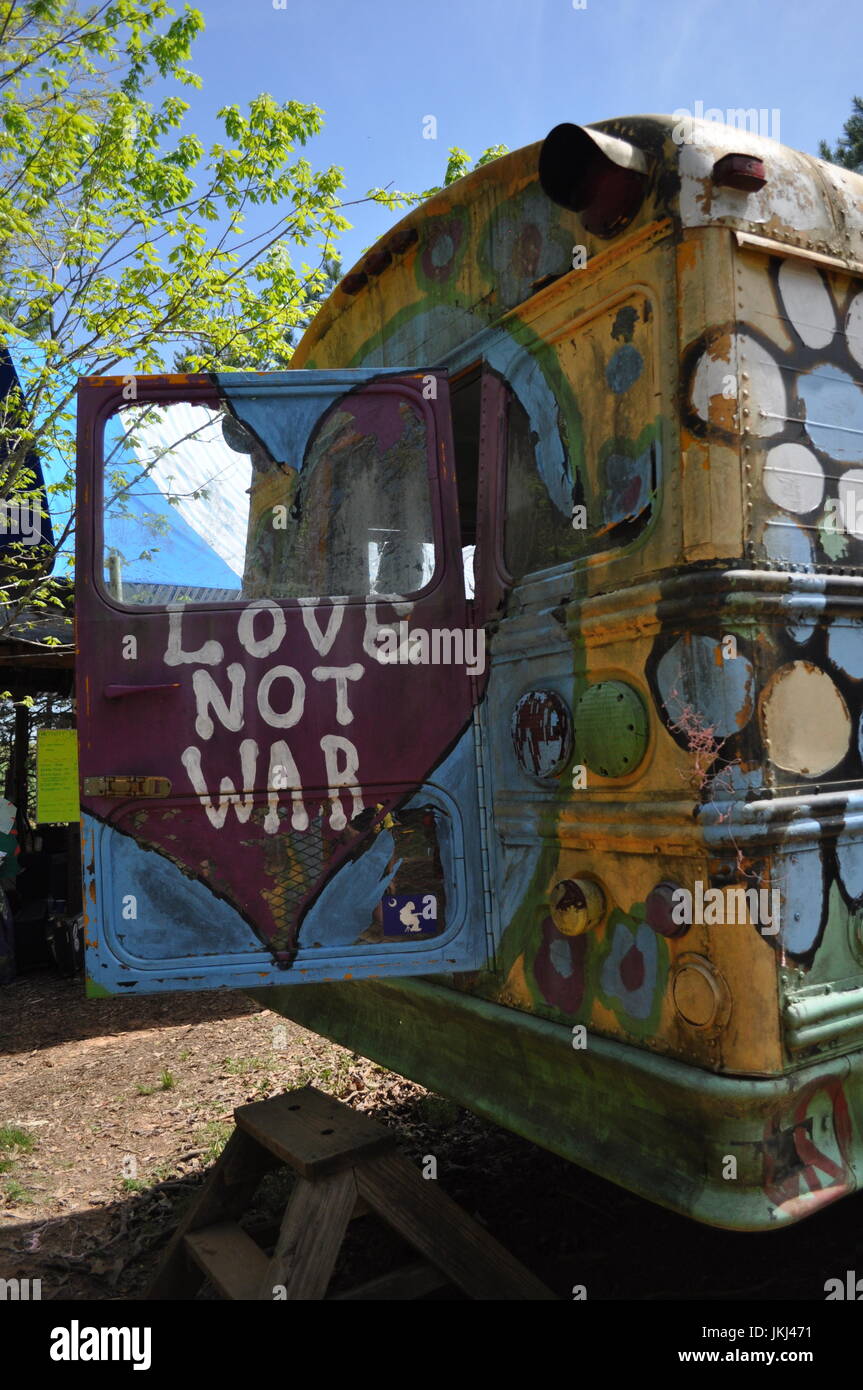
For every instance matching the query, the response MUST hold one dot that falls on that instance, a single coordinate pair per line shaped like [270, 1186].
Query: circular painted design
[798, 878]
[713, 390]
[697, 684]
[831, 395]
[854, 328]
[845, 647]
[698, 992]
[850, 515]
[849, 858]
[612, 728]
[785, 543]
[793, 478]
[526, 246]
[441, 251]
[542, 733]
[443, 248]
[766, 386]
[804, 720]
[807, 303]
[624, 368]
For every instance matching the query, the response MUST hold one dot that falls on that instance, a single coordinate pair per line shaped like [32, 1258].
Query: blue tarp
[8, 382]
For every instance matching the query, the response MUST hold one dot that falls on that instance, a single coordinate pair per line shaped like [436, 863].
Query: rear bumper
[744, 1154]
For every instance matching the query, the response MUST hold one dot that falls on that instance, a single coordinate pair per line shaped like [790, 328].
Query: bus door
[276, 681]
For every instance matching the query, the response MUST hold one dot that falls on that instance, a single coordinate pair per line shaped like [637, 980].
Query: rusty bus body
[576, 841]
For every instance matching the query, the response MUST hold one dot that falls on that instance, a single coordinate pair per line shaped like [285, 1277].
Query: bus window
[585, 479]
[356, 520]
[197, 510]
[538, 528]
[176, 503]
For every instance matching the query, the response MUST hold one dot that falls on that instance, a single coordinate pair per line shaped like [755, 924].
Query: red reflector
[740, 171]
[352, 284]
[659, 911]
[376, 261]
[400, 241]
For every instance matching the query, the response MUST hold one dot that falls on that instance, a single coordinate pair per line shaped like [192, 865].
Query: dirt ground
[112, 1111]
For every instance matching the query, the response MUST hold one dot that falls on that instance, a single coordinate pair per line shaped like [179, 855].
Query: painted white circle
[807, 303]
[850, 518]
[854, 328]
[714, 387]
[804, 720]
[785, 542]
[793, 478]
[768, 401]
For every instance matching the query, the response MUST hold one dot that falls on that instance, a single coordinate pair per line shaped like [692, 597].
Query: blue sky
[506, 71]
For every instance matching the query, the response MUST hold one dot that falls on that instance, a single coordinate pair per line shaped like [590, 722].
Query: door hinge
[127, 786]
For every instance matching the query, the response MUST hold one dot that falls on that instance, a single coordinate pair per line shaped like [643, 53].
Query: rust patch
[687, 255]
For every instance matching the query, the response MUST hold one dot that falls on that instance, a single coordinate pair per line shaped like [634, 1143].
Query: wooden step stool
[346, 1166]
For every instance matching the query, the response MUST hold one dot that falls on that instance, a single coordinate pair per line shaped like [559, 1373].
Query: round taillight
[578, 905]
[665, 908]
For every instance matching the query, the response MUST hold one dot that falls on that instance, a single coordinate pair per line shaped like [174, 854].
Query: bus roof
[520, 238]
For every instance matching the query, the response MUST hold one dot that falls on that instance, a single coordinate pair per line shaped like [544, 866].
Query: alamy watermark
[850, 1288]
[20, 1290]
[755, 121]
[711, 907]
[437, 646]
[21, 519]
[77, 1343]
[844, 514]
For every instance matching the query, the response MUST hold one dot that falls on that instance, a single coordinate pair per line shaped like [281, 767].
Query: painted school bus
[515, 738]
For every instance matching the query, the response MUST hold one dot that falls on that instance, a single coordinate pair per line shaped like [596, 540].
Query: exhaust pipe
[602, 178]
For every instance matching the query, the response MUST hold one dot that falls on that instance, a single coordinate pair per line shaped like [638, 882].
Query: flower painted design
[630, 972]
[440, 255]
[559, 968]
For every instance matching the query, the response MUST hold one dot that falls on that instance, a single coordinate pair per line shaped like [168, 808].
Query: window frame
[204, 390]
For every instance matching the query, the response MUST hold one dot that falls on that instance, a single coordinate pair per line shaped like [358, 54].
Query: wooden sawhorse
[346, 1166]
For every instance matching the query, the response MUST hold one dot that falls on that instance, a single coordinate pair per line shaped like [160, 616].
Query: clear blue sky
[506, 71]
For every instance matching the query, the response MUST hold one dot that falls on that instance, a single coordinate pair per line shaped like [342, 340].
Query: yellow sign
[57, 776]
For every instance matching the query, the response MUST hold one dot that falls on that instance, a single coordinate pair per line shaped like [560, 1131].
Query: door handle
[118, 692]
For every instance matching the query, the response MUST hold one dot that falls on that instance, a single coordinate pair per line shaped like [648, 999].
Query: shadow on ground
[40, 1010]
[569, 1227]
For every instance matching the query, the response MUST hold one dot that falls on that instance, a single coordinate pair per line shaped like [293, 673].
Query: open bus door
[276, 681]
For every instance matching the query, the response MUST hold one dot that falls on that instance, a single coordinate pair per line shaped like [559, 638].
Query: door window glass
[197, 510]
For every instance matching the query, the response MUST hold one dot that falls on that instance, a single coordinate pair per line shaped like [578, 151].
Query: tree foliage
[123, 241]
[848, 151]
